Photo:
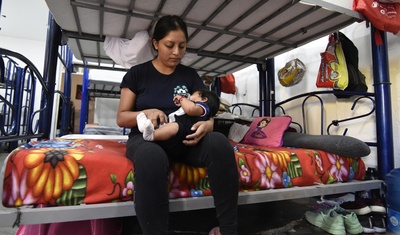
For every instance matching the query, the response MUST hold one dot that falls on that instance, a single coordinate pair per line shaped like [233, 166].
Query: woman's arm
[126, 117]
[201, 129]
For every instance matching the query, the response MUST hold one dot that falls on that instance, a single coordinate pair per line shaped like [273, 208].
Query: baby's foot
[140, 120]
[148, 130]
[215, 231]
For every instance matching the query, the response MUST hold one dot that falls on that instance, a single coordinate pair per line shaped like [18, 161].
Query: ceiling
[13, 21]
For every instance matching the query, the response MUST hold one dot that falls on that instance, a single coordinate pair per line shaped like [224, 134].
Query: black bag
[356, 78]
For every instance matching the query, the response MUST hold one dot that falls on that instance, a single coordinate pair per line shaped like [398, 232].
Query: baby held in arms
[200, 106]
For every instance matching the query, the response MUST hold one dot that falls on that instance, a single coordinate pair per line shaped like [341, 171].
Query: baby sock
[140, 120]
[148, 130]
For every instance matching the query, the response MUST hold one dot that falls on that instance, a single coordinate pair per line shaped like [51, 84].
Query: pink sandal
[214, 231]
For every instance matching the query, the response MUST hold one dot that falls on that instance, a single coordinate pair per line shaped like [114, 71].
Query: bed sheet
[88, 171]
[105, 130]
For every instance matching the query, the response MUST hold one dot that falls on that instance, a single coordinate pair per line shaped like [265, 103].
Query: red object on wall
[228, 84]
[384, 16]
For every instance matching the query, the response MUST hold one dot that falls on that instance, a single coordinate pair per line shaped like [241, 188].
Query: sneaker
[366, 223]
[351, 222]
[337, 199]
[328, 220]
[371, 174]
[379, 223]
[358, 206]
[321, 206]
[375, 204]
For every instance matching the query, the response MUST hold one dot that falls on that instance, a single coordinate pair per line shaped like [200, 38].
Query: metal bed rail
[29, 215]
[304, 98]
[19, 118]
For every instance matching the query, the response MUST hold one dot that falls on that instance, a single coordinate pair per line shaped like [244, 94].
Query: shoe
[371, 174]
[337, 199]
[379, 223]
[351, 222]
[375, 204]
[358, 207]
[321, 206]
[366, 223]
[328, 220]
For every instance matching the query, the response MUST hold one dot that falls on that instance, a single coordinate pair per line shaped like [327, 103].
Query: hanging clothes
[228, 84]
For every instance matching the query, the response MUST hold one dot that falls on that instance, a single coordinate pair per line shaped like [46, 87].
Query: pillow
[237, 132]
[267, 131]
[344, 146]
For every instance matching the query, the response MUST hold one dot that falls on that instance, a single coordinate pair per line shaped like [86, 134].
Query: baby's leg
[166, 131]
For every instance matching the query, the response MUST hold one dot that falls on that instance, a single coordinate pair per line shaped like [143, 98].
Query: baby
[200, 106]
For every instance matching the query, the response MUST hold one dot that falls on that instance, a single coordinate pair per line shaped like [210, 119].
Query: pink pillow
[267, 131]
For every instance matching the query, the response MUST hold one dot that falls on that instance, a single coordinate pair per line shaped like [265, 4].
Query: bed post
[384, 128]
[271, 85]
[49, 75]
[83, 120]
[262, 75]
[266, 73]
[66, 106]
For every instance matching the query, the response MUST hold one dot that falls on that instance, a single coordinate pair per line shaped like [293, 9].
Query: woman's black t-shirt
[156, 90]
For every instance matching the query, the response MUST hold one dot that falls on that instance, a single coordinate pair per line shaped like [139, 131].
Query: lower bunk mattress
[89, 171]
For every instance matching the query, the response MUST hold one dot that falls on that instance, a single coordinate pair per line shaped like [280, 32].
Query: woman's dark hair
[167, 24]
[212, 100]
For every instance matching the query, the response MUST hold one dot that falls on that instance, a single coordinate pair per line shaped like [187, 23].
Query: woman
[150, 88]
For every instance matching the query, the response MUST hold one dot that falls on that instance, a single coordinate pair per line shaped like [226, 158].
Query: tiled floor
[279, 218]
[282, 217]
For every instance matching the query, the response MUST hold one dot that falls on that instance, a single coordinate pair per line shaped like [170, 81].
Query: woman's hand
[201, 129]
[156, 116]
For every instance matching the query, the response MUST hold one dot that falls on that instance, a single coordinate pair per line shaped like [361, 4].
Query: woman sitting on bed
[148, 88]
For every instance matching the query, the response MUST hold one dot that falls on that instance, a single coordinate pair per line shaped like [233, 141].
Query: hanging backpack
[356, 78]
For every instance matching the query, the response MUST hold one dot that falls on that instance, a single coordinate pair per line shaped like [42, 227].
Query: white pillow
[237, 132]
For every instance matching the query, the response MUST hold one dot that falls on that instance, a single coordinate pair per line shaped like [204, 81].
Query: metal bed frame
[221, 44]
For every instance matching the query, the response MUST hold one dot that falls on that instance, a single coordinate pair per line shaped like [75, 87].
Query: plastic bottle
[392, 196]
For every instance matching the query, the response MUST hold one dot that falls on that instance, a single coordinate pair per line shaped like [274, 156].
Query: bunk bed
[94, 89]
[225, 36]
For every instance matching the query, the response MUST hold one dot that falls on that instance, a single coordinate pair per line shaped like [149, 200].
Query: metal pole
[263, 91]
[66, 107]
[384, 128]
[84, 101]
[271, 86]
[49, 74]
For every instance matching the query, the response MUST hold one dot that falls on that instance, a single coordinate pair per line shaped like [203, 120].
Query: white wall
[34, 50]
[364, 129]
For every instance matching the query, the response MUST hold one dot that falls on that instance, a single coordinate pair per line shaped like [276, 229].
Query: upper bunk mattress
[224, 36]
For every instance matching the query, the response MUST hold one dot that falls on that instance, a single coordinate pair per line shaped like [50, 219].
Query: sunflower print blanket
[89, 171]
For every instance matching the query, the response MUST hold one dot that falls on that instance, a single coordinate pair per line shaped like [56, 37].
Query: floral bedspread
[73, 172]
